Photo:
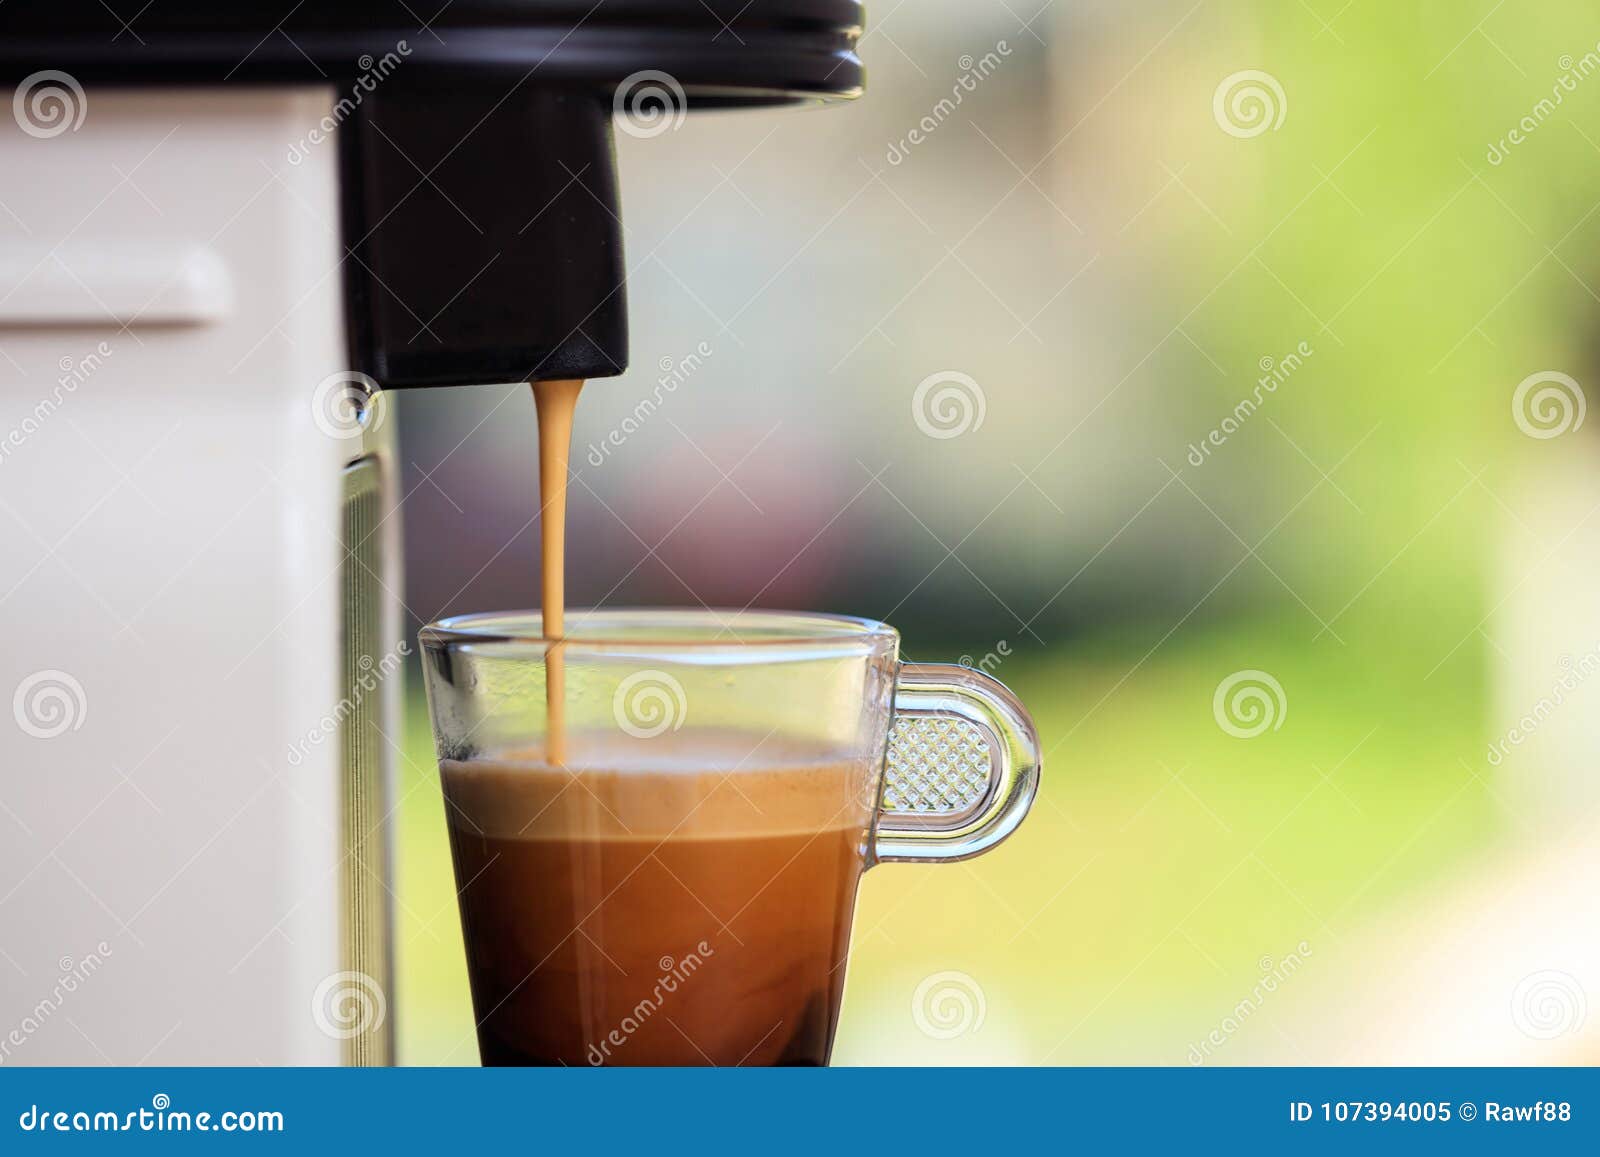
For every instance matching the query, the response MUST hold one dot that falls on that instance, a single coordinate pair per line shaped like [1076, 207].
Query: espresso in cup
[682, 902]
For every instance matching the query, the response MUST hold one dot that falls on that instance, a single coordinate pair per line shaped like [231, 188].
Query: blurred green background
[1115, 255]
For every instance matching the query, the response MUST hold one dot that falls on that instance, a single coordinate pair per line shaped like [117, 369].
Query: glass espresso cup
[657, 857]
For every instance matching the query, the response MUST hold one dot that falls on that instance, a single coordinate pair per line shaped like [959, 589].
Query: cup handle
[961, 769]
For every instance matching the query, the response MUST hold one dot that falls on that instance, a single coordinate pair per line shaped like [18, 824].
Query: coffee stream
[555, 403]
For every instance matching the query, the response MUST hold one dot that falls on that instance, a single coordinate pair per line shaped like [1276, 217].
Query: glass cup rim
[659, 629]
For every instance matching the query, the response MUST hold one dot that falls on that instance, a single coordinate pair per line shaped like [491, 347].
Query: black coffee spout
[478, 189]
[484, 237]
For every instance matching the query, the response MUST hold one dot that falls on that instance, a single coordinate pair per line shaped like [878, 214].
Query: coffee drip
[555, 403]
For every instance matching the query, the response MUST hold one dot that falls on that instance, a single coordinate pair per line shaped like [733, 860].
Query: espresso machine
[225, 232]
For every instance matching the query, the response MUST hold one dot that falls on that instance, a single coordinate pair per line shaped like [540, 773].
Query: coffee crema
[662, 908]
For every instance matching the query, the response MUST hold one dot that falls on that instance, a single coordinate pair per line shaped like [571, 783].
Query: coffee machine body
[222, 241]
[199, 560]
[198, 564]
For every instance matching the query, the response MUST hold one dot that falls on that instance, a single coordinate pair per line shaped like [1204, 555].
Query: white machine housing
[201, 642]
